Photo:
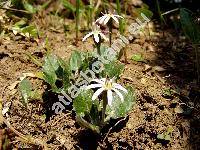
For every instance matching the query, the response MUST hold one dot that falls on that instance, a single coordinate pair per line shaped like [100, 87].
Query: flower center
[108, 85]
[96, 32]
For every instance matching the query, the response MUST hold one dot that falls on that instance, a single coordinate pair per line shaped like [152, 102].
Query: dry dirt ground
[168, 64]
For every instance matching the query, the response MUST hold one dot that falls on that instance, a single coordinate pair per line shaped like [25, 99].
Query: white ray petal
[91, 86]
[98, 19]
[106, 20]
[104, 37]
[102, 19]
[97, 93]
[88, 35]
[112, 80]
[101, 81]
[118, 86]
[118, 16]
[118, 93]
[96, 37]
[109, 97]
[115, 18]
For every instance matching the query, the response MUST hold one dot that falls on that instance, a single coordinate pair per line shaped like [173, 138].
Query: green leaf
[167, 137]
[83, 102]
[21, 28]
[164, 136]
[44, 6]
[30, 31]
[104, 52]
[138, 58]
[145, 11]
[49, 70]
[26, 90]
[75, 61]
[29, 7]
[35, 95]
[65, 73]
[161, 136]
[168, 92]
[94, 114]
[190, 28]
[39, 75]
[85, 65]
[20, 23]
[56, 72]
[34, 59]
[17, 4]
[68, 5]
[113, 69]
[16, 28]
[119, 108]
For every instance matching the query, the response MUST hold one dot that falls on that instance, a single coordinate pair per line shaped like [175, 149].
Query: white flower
[106, 17]
[96, 32]
[109, 86]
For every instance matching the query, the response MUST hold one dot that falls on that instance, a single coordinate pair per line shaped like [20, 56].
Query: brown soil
[153, 113]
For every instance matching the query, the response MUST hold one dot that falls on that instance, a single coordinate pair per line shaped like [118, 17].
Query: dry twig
[113, 127]
[18, 10]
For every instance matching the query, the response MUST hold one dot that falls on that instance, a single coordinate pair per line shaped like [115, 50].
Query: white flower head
[106, 17]
[107, 85]
[96, 33]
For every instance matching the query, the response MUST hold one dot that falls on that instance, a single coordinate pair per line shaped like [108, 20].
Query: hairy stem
[110, 24]
[77, 19]
[119, 13]
[104, 109]
[159, 12]
[88, 125]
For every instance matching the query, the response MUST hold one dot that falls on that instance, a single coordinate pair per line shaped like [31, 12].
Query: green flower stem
[90, 16]
[105, 102]
[123, 50]
[121, 28]
[77, 18]
[91, 10]
[119, 13]
[110, 24]
[88, 125]
[159, 12]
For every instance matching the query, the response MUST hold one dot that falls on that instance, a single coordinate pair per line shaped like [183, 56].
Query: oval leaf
[75, 60]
